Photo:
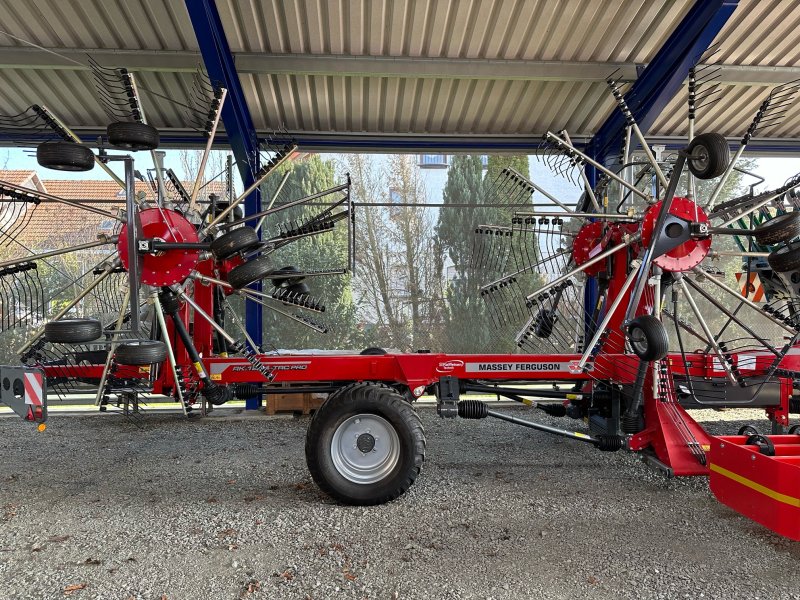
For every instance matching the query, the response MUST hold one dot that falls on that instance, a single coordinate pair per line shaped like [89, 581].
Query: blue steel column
[664, 76]
[239, 126]
[653, 89]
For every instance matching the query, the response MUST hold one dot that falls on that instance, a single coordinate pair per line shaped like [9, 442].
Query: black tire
[65, 156]
[372, 400]
[747, 430]
[73, 331]
[765, 445]
[544, 323]
[233, 242]
[283, 277]
[648, 338]
[712, 155]
[373, 351]
[794, 430]
[785, 259]
[141, 352]
[253, 270]
[132, 136]
[778, 229]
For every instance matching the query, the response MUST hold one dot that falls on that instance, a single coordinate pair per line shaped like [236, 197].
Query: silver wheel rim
[358, 433]
[700, 157]
[638, 340]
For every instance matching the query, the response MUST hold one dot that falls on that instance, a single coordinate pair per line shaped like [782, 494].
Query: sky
[775, 170]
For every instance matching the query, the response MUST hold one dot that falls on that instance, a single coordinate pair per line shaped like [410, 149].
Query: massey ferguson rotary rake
[619, 308]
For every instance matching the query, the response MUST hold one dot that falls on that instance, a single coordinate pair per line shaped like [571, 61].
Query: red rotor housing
[165, 267]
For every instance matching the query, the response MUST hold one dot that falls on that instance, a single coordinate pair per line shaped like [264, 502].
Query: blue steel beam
[239, 126]
[663, 77]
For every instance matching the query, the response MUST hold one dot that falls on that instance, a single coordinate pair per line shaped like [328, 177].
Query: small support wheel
[365, 444]
[765, 445]
[253, 270]
[141, 352]
[73, 331]
[747, 430]
[648, 338]
[233, 242]
[131, 135]
[709, 155]
[778, 229]
[794, 430]
[65, 156]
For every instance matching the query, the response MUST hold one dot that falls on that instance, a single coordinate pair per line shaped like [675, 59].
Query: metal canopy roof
[395, 73]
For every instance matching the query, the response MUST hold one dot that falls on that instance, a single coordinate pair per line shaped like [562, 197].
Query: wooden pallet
[304, 403]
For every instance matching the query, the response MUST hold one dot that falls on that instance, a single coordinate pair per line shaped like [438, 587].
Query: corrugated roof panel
[109, 24]
[437, 106]
[761, 32]
[730, 115]
[496, 29]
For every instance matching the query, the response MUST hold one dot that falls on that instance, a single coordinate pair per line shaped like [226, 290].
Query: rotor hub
[164, 267]
[690, 253]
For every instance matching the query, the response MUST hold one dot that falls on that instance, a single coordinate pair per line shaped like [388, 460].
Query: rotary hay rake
[589, 294]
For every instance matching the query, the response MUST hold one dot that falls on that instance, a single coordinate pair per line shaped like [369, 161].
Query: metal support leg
[162, 323]
[120, 320]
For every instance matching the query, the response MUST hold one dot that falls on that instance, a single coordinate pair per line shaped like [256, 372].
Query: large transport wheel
[365, 444]
[65, 156]
[73, 331]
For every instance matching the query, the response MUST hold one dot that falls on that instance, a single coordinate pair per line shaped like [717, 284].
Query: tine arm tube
[600, 167]
[85, 292]
[649, 154]
[199, 179]
[747, 301]
[522, 179]
[731, 316]
[725, 175]
[586, 185]
[51, 198]
[269, 211]
[750, 210]
[241, 198]
[42, 255]
[584, 266]
[607, 318]
[101, 386]
[273, 199]
[199, 311]
[706, 330]
[173, 364]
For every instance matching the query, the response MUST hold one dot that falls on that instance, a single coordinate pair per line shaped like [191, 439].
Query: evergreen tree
[324, 251]
[467, 327]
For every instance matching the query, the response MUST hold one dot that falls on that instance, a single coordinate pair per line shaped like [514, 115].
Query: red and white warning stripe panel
[33, 388]
[751, 287]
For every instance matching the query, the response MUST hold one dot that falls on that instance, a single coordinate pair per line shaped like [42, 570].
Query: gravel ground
[223, 508]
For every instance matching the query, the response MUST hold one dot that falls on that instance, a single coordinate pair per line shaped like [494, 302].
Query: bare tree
[397, 285]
